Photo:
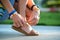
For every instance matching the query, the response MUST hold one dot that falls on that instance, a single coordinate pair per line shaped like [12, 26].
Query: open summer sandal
[32, 33]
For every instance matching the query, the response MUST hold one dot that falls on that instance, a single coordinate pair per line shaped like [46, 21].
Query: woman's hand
[33, 16]
[17, 19]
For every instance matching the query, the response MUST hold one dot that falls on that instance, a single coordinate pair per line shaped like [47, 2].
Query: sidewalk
[47, 33]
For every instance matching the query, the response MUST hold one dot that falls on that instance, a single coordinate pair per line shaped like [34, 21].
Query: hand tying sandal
[32, 32]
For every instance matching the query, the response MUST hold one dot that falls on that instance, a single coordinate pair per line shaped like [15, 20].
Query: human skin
[32, 17]
[17, 18]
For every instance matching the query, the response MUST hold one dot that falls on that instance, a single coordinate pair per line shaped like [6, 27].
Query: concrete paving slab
[47, 33]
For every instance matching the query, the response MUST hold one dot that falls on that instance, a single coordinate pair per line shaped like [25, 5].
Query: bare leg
[22, 7]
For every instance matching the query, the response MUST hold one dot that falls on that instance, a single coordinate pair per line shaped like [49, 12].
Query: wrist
[11, 13]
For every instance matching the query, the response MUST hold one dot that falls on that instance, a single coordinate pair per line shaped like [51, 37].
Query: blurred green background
[50, 13]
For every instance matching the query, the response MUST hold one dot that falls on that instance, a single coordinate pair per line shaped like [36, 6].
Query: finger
[21, 23]
[16, 23]
[16, 20]
[31, 18]
[24, 23]
[34, 22]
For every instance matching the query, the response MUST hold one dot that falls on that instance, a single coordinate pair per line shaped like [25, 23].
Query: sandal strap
[22, 31]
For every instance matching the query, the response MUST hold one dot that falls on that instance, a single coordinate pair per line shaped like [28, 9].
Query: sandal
[32, 33]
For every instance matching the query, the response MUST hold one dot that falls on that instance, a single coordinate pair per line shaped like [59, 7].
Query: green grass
[7, 22]
[50, 18]
[46, 18]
